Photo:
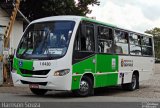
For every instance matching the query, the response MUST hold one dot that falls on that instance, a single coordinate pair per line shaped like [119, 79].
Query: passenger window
[134, 39]
[85, 41]
[147, 46]
[89, 39]
[146, 41]
[84, 45]
[121, 42]
[104, 39]
[135, 44]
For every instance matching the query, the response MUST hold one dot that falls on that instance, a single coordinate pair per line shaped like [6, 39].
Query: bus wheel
[133, 85]
[39, 92]
[86, 87]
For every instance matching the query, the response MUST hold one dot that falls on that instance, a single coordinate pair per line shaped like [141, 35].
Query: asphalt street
[149, 92]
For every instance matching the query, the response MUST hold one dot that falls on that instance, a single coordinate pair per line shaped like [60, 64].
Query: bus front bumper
[50, 82]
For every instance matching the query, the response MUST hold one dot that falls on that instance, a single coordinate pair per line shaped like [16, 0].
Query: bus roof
[79, 18]
[114, 26]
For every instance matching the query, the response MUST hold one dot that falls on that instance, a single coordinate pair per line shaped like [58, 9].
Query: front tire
[86, 87]
[39, 92]
[133, 85]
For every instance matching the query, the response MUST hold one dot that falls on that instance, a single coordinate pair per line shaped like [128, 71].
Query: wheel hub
[134, 82]
[84, 86]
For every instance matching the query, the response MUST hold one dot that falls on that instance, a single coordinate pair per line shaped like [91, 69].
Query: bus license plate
[36, 86]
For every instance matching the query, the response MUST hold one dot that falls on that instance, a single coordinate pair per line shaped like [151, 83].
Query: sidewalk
[8, 83]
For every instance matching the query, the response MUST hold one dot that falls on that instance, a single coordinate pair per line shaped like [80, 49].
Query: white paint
[17, 30]
[144, 65]
[54, 82]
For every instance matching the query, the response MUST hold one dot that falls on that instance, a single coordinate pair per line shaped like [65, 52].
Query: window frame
[140, 45]
[110, 38]
[78, 55]
[125, 31]
[152, 46]
[80, 35]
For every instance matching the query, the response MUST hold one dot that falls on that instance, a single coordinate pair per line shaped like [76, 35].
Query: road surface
[149, 92]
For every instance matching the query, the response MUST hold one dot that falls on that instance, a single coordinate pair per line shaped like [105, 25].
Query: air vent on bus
[39, 72]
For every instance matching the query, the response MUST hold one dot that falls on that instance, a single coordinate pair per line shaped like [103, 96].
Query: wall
[17, 30]
[16, 35]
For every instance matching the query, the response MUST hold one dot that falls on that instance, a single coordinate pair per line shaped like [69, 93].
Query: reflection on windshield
[49, 39]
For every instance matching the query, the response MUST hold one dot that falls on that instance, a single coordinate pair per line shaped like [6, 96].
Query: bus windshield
[45, 40]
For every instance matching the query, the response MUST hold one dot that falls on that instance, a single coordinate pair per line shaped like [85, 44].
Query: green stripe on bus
[107, 67]
[86, 65]
[99, 22]
[105, 70]
[26, 64]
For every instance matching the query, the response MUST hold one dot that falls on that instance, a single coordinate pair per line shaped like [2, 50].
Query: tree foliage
[34, 9]
[156, 34]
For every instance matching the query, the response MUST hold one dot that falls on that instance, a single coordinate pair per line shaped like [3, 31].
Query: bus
[79, 54]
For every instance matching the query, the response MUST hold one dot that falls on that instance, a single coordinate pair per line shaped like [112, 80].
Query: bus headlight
[62, 72]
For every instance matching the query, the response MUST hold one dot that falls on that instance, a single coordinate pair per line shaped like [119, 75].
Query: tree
[34, 9]
[156, 34]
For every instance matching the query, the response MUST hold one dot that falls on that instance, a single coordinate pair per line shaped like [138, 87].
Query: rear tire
[39, 92]
[133, 85]
[86, 87]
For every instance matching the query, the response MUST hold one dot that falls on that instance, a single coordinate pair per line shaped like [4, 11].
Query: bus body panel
[110, 70]
[103, 67]
[81, 68]
[129, 64]
[53, 82]
[107, 69]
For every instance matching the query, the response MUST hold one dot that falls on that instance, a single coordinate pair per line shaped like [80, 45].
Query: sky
[139, 15]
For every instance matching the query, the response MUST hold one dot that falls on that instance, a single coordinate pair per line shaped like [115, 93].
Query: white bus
[78, 54]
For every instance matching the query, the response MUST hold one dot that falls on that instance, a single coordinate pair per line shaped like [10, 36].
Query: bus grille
[40, 72]
[39, 83]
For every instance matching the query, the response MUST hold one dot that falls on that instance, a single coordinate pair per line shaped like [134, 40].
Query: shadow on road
[105, 91]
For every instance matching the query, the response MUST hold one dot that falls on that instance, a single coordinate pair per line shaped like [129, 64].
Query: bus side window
[89, 38]
[135, 44]
[104, 39]
[85, 41]
[147, 49]
[121, 42]
[84, 44]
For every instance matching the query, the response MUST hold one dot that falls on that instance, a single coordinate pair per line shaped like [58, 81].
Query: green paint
[82, 67]
[26, 64]
[104, 64]
[75, 82]
[95, 21]
[21, 51]
[86, 65]
[15, 62]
